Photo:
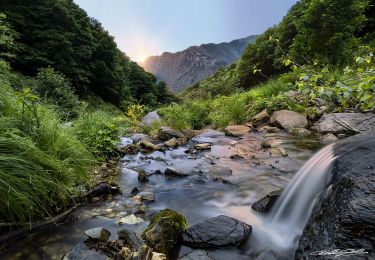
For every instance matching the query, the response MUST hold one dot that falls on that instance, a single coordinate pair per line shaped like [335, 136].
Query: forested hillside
[325, 32]
[60, 35]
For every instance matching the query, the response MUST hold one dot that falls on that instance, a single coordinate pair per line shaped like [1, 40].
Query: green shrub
[99, 131]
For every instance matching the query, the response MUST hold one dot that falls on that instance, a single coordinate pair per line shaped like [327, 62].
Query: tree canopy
[59, 34]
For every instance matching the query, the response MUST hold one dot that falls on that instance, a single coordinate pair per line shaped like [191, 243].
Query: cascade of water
[280, 229]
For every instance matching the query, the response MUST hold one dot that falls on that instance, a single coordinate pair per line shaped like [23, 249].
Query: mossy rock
[164, 230]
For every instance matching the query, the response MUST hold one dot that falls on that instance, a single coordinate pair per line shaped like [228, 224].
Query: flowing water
[255, 173]
[278, 233]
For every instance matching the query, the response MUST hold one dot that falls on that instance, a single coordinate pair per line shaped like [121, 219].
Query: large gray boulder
[150, 119]
[345, 217]
[338, 123]
[218, 232]
[288, 120]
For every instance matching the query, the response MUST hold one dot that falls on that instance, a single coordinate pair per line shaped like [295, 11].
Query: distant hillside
[189, 66]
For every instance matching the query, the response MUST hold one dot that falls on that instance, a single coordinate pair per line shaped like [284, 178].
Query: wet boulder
[172, 143]
[218, 232]
[220, 171]
[167, 133]
[265, 204]
[338, 123]
[344, 217]
[139, 137]
[164, 230]
[172, 172]
[204, 146]
[237, 130]
[146, 144]
[288, 120]
[103, 189]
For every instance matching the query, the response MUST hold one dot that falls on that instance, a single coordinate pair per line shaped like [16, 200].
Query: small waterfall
[280, 229]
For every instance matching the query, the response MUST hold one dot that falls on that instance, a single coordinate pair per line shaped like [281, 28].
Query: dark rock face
[265, 204]
[345, 217]
[189, 66]
[218, 232]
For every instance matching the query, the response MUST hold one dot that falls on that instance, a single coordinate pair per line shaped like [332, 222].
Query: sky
[150, 27]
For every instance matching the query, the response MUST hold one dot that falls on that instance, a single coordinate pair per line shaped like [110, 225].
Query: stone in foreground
[288, 120]
[99, 233]
[218, 232]
[164, 230]
[197, 255]
[265, 204]
[237, 130]
[338, 123]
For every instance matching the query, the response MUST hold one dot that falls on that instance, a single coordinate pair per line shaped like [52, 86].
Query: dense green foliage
[330, 32]
[60, 35]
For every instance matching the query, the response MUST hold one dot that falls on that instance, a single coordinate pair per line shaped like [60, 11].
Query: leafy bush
[99, 131]
[56, 90]
[352, 89]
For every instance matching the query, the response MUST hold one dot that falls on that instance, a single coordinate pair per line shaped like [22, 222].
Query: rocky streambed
[214, 185]
[213, 174]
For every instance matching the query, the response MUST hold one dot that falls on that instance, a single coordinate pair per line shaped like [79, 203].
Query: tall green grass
[40, 166]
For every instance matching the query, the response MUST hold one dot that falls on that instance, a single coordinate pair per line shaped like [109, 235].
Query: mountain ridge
[195, 63]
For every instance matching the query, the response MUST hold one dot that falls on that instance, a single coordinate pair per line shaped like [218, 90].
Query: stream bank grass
[41, 164]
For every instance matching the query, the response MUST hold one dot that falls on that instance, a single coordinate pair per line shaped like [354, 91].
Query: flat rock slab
[338, 123]
[287, 119]
[218, 232]
[237, 130]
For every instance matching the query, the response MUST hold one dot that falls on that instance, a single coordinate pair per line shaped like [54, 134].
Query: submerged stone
[265, 204]
[218, 232]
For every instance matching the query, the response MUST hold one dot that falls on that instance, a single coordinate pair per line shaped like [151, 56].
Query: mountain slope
[189, 66]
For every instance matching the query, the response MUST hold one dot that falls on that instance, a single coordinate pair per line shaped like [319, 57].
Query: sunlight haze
[146, 27]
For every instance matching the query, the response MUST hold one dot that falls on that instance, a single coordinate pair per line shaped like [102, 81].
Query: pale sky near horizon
[150, 27]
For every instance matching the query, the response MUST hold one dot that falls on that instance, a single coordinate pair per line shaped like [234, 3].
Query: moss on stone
[164, 230]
